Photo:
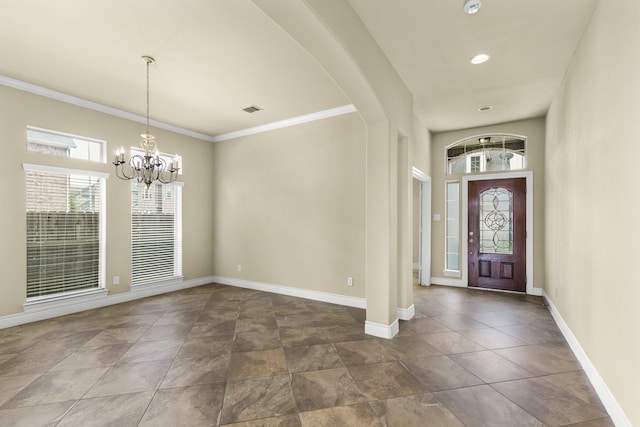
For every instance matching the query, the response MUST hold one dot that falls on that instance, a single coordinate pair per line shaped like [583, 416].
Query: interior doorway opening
[421, 228]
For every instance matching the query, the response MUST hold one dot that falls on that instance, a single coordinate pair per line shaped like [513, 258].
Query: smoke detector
[471, 6]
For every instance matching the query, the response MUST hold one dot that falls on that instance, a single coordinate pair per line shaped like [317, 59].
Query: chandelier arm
[161, 167]
[171, 179]
[120, 173]
[124, 174]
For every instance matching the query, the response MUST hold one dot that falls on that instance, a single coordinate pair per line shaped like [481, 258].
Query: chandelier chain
[148, 61]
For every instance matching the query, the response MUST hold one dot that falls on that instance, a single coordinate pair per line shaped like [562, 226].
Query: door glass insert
[496, 221]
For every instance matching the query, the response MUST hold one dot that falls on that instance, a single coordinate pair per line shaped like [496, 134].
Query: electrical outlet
[239, 267]
[116, 280]
[349, 281]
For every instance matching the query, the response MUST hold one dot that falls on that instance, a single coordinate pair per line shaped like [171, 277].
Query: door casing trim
[528, 175]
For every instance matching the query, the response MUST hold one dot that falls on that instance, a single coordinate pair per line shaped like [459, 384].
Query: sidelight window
[452, 262]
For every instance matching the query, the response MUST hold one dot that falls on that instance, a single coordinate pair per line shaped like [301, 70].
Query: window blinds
[156, 232]
[63, 231]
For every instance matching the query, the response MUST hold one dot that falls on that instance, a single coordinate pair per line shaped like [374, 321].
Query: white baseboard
[381, 331]
[536, 291]
[406, 313]
[458, 283]
[294, 292]
[606, 397]
[62, 307]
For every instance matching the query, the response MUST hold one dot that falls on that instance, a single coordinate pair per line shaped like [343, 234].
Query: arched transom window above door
[486, 153]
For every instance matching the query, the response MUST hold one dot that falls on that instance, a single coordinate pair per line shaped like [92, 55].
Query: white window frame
[176, 198]
[103, 144]
[483, 163]
[42, 301]
[448, 270]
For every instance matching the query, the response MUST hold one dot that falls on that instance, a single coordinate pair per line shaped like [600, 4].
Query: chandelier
[149, 167]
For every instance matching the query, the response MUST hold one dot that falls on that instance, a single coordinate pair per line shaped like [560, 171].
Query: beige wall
[421, 147]
[534, 130]
[592, 198]
[334, 35]
[19, 109]
[290, 206]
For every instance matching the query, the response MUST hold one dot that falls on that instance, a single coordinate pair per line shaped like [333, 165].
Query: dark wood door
[497, 234]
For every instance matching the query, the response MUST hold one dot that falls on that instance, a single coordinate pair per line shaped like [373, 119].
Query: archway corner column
[381, 230]
[405, 306]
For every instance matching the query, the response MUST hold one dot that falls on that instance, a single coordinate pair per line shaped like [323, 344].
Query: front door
[497, 234]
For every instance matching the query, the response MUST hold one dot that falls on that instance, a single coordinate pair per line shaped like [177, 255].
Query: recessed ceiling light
[485, 108]
[471, 6]
[481, 58]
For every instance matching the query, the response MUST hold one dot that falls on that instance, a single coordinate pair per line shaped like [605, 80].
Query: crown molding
[345, 109]
[90, 105]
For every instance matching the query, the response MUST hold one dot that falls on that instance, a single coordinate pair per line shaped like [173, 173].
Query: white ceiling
[216, 57]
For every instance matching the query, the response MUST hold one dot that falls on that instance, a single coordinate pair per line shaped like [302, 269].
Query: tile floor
[223, 356]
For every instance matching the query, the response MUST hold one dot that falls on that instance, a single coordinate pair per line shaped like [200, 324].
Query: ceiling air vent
[252, 109]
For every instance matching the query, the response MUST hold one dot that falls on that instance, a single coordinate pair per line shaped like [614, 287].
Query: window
[488, 153]
[53, 143]
[156, 232]
[452, 232]
[65, 229]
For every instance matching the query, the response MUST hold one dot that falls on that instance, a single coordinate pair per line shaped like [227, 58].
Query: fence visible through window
[63, 215]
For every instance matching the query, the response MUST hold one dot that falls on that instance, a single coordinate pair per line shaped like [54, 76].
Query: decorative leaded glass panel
[496, 221]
